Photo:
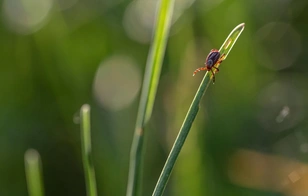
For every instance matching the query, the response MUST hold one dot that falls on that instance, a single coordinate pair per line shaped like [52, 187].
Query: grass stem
[34, 173]
[191, 114]
[150, 83]
[88, 166]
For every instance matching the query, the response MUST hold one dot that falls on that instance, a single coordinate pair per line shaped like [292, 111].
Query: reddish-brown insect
[214, 58]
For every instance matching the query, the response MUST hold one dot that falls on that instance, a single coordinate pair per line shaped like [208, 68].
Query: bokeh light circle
[139, 17]
[63, 5]
[280, 106]
[138, 20]
[277, 45]
[117, 83]
[26, 16]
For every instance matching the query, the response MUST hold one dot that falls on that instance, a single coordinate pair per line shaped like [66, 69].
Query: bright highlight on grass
[191, 114]
[86, 148]
[33, 170]
[148, 93]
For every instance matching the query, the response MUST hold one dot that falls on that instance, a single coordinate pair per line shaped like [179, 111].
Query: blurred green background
[249, 138]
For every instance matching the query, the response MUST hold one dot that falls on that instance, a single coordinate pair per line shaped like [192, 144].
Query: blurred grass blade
[191, 114]
[150, 82]
[88, 166]
[34, 173]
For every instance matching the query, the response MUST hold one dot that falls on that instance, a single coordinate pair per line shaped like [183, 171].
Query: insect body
[212, 59]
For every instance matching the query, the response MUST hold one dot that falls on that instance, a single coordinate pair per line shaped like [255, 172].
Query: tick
[212, 59]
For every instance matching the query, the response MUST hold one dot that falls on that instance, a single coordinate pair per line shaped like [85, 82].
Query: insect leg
[217, 70]
[199, 69]
[213, 76]
[221, 59]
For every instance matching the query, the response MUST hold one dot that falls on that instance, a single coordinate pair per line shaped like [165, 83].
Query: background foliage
[250, 137]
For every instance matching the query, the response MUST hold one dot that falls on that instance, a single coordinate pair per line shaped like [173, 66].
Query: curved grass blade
[191, 114]
[150, 82]
[86, 150]
[34, 173]
[231, 39]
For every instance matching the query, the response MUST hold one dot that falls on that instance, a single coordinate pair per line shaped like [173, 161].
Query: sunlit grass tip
[33, 171]
[86, 148]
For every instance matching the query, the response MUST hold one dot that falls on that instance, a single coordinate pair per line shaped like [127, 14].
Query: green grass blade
[89, 171]
[231, 39]
[150, 82]
[34, 173]
[191, 114]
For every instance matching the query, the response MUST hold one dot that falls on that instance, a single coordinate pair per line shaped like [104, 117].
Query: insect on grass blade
[191, 114]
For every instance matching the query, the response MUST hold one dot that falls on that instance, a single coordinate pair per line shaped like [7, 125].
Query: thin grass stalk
[150, 83]
[33, 170]
[191, 114]
[86, 149]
